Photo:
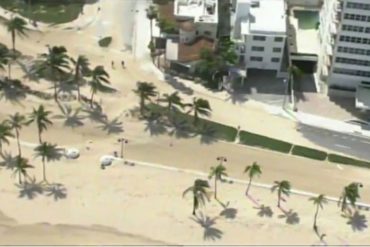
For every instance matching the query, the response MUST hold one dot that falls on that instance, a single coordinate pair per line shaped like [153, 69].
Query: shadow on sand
[210, 232]
[31, 189]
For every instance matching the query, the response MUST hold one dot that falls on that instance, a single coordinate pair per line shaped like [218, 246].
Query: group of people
[122, 64]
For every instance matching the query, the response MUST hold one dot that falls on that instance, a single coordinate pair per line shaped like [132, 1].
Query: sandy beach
[137, 204]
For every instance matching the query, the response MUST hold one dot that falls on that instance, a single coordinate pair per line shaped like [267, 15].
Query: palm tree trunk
[1, 148]
[18, 142]
[315, 218]
[77, 81]
[43, 169]
[216, 187]
[151, 30]
[279, 198]
[13, 41]
[55, 91]
[40, 139]
[249, 185]
[19, 178]
[194, 205]
[9, 70]
[92, 99]
[195, 116]
[142, 106]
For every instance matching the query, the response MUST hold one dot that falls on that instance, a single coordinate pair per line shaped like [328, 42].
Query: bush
[309, 153]
[335, 158]
[251, 139]
[105, 42]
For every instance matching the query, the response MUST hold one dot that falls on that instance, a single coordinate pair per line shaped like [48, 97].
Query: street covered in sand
[136, 204]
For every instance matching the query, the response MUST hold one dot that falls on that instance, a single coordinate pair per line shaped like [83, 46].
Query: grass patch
[251, 139]
[335, 158]
[105, 42]
[309, 153]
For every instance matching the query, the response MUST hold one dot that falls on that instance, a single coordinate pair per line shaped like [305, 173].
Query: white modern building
[259, 30]
[345, 47]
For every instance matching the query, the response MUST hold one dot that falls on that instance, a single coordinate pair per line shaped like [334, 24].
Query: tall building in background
[345, 47]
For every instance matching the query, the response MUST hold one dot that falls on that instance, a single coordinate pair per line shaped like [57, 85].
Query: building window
[275, 60]
[352, 39]
[257, 59]
[276, 49]
[364, 18]
[352, 61]
[242, 49]
[352, 72]
[208, 33]
[278, 39]
[355, 5]
[353, 28]
[259, 38]
[258, 48]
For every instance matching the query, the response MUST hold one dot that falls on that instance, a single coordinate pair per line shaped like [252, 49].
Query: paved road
[345, 143]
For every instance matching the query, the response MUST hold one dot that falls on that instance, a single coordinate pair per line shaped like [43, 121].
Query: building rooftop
[259, 17]
[199, 10]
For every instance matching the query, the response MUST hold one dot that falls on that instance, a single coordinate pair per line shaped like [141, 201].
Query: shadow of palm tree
[357, 221]
[207, 134]
[113, 126]
[30, 189]
[229, 213]
[155, 127]
[264, 211]
[95, 114]
[210, 232]
[236, 98]
[71, 118]
[57, 191]
[291, 217]
[179, 128]
[12, 91]
[8, 161]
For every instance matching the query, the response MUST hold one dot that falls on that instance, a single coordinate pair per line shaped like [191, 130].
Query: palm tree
[16, 122]
[151, 14]
[282, 187]
[200, 107]
[47, 152]
[16, 26]
[217, 172]
[319, 202]
[54, 63]
[350, 194]
[199, 191]
[99, 77]
[252, 170]
[5, 133]
[145, 91]
[81, 69]
[41, 117]
[172, 100]
[21, 166]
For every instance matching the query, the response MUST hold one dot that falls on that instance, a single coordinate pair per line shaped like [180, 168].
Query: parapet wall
[305, 3]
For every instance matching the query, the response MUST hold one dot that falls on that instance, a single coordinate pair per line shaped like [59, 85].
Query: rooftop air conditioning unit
[255, 3]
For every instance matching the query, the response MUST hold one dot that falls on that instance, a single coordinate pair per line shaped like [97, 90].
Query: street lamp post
[221, 159]
[286, 91]
[123, 141]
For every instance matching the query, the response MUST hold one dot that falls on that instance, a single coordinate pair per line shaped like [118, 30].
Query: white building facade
[259, 30]
[345, 39]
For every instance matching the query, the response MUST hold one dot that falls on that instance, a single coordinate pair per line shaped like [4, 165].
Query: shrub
[335, 158]
[251, 139]
[309, 153]
[105, 42]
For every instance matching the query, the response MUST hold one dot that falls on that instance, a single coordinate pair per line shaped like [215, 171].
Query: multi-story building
[197, 21]
[345, 47]
[259, 30]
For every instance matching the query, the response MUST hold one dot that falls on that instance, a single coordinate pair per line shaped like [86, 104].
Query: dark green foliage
[309, 153]
[251, 139]
[105, 42]
[335, 158]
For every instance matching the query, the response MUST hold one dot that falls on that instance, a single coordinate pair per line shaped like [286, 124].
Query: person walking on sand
[123, 64]
[112, 64]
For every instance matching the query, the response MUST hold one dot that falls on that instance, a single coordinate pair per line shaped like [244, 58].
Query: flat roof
[269, 16]
[200, 10]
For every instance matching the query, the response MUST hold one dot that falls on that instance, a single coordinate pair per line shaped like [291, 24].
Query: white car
[72, 153]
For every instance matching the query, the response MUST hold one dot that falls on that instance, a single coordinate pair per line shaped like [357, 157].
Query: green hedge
[105, 42]
[309, 153]
[335, 158]
[251, 139]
